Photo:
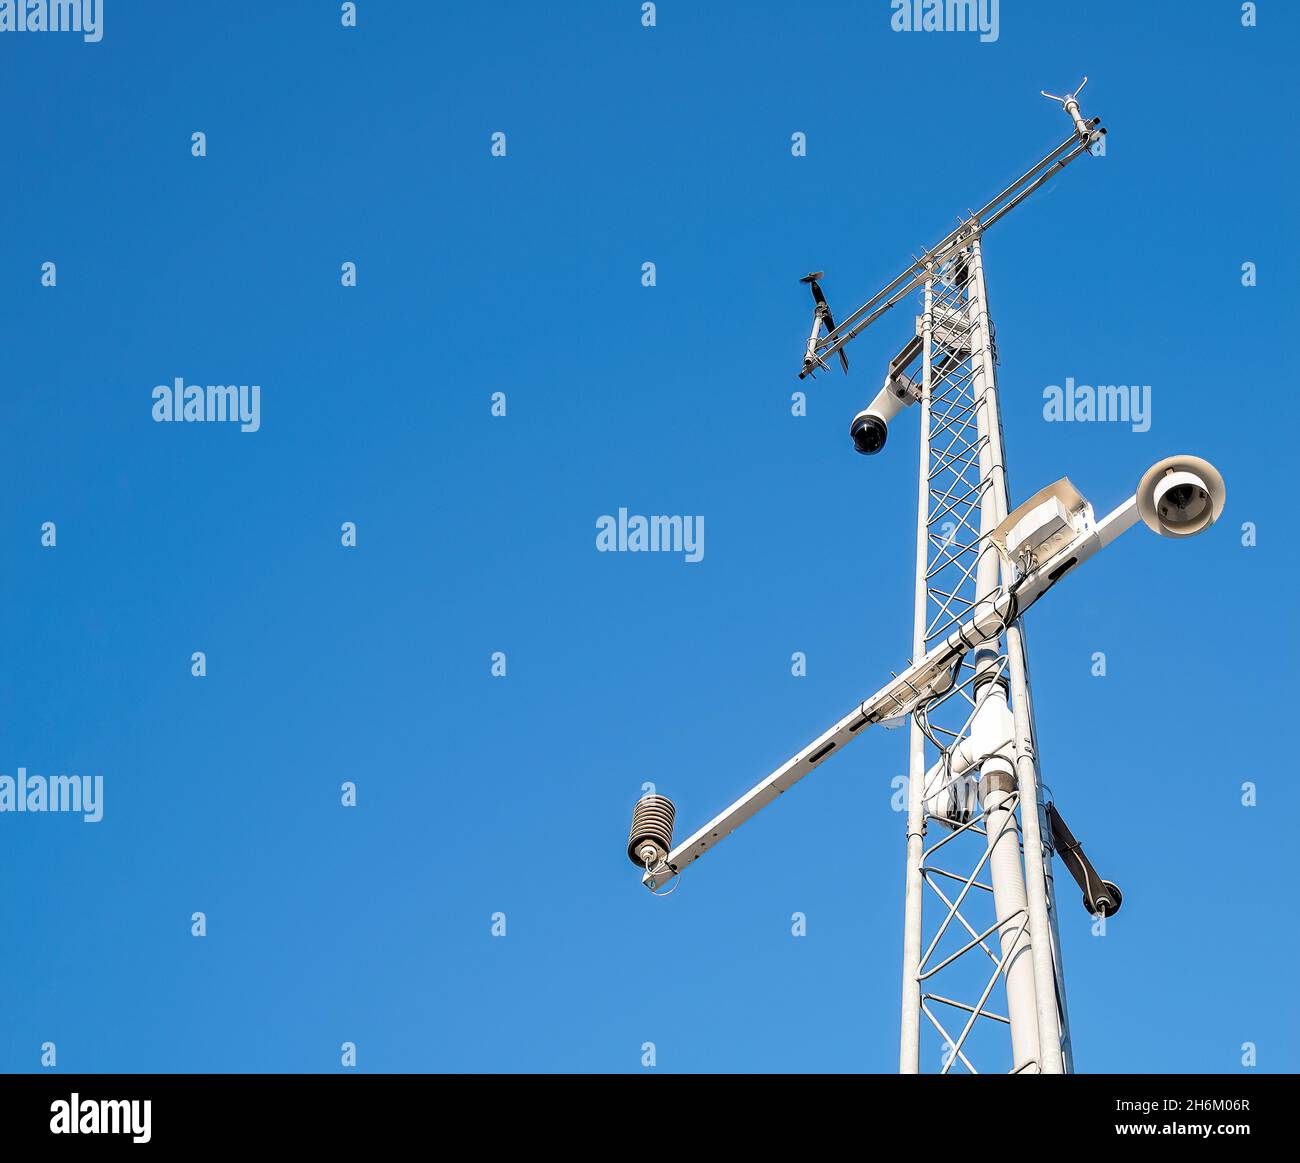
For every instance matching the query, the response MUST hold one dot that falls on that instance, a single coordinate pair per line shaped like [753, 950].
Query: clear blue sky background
[476, 534]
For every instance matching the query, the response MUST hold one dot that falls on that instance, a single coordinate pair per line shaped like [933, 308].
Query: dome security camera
[870, 427]
[1180, 496]
[869, 432]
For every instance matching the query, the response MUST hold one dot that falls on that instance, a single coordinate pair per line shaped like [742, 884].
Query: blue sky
[476, 534]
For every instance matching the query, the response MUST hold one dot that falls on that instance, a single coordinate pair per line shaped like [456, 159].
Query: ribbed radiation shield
[652, 823]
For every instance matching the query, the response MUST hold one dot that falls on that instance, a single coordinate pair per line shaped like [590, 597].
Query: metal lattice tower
[981, 949]
[968, 925]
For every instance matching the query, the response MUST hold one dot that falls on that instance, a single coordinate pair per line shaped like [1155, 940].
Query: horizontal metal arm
[920, 682]
[819, 350]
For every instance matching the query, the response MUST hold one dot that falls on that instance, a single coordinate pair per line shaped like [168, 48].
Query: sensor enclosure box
[1041, 526]
[1044, 525]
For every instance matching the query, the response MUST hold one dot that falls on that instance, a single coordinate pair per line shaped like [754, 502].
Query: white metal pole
[1042, 967]
[999, 803]
[997, 776]
[909, 1054]
[1062, 1004]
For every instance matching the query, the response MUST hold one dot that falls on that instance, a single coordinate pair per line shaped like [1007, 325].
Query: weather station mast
[982, 962]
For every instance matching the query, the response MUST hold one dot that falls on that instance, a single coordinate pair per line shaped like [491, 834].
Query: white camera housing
[870, 427]
[1180, 496]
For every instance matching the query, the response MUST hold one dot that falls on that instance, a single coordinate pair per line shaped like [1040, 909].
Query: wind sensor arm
[821, 347]
[1070, 103]
[821, 315]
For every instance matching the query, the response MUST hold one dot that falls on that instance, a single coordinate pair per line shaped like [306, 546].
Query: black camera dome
[869, 434]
